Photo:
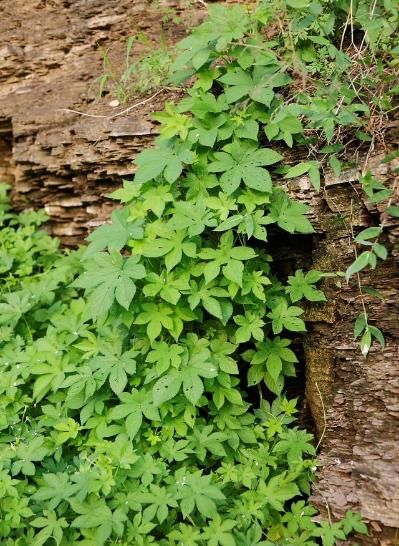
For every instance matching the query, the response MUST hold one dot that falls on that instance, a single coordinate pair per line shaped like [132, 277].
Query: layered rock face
[49, 62]
[67, 163]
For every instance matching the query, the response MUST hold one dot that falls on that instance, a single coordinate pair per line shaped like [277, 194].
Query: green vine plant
[142, 377]
[370, 238]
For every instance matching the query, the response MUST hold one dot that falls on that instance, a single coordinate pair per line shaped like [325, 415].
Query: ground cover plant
[142, 378]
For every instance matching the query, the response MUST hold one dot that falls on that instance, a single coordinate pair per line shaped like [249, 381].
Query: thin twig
[371, 16]
[344, 32]
[328, 510]
[324, 417]
[141, 103]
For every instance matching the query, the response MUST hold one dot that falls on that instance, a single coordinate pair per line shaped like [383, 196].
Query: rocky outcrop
[67, 163]
[50, 62]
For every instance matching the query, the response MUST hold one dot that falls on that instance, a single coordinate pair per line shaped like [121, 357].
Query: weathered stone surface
[49, 63]
[360, 449]
[67, 163]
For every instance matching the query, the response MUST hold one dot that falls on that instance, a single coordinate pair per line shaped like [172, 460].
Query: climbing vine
[142, 378]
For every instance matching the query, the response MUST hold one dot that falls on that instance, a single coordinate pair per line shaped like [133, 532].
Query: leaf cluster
[128, 408]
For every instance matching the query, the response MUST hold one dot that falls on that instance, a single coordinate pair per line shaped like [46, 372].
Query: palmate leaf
[295, 443]
[172, 122]
[224, 25]
[116, 367]
[250, 326]
[109, 278]
[219, 532]
[56, 488]
[284, 316]
[168, 443]
[288, 214]
[302, 286]
[330, 533]
[97, 515]
[205, 107]
[269, 357]
[213, 299]
[51, 526]
[167, 160]
[258, 86]
[168, 285]
[171, 244]
[278, 491]
[161, 316]
[242, 160]
[353, 522]
[198, 492]
[134, 406]
[193, 216]
[199, 365]
[115, 235]
[228, 258]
